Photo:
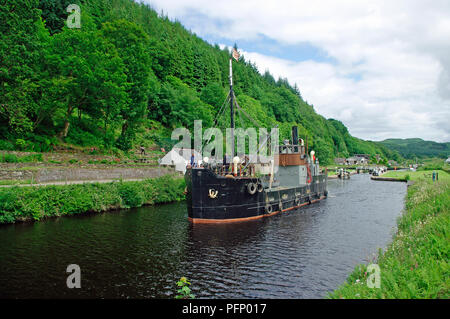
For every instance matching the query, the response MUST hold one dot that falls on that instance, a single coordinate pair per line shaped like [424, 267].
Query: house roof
[171, 158]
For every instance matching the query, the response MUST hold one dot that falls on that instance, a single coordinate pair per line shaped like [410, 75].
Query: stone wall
[16, 174]
[45, 175]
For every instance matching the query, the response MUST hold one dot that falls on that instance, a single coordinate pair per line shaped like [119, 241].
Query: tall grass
[416, 263]
[35, 203]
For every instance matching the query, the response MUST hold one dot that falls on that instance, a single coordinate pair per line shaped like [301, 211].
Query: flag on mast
[235, 54]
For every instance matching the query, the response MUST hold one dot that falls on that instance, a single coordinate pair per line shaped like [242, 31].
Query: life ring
[251, 188]
[259, 187]
[212, 193]
[268, 208]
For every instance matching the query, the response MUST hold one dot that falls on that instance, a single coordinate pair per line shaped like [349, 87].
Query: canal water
[141, 253]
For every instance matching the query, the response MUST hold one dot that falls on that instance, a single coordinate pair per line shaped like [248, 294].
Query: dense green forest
[128, 76]
[415, 147]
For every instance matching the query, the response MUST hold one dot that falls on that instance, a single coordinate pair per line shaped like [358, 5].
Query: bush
[13, 158]
[31, 158]
[6, 146]
[20, 144]
[35, 203]
[131, 194]
[9, 158]
[38, 143]
[77, 136]
[34, 143]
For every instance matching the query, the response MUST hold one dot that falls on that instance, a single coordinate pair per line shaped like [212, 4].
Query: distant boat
[343, 174]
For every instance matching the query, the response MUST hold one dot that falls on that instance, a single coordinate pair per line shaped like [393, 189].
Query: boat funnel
[295, 135]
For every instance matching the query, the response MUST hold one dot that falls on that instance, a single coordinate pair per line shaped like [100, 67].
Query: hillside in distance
[128, 76]
[415, 147]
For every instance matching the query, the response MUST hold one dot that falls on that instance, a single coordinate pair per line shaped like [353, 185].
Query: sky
[380, 67]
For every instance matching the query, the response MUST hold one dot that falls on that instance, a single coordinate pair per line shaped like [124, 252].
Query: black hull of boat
[214, 198]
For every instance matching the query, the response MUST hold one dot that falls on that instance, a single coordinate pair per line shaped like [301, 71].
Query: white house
[179, 158]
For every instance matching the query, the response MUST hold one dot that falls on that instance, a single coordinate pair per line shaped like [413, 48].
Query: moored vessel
[240, 188]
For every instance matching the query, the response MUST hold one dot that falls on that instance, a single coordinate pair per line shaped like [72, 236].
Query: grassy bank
[418, 175]
[415, 264]
[13, 158]
[35, 203]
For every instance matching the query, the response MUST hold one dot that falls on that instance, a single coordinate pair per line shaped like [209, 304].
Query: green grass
[13, 158]
[434, 164]
[418, 175]
[416, 263]
[14, 182]
[36, 203]
[331, 173]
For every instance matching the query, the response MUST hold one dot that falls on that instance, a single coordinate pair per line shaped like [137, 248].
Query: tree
[19, 54]
[89, 72]
[213, 94]
[132, 44]
[179, 105]
[54, 13]
[127, 64]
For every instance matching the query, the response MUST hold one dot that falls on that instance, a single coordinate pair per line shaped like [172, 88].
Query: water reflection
[141, 253]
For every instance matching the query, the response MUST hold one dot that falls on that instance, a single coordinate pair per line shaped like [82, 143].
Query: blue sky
[381, 67]
[262, 44]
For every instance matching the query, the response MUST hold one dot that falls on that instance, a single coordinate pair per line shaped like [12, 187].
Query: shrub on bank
[35, 203]
[416, 264]
[13, 158]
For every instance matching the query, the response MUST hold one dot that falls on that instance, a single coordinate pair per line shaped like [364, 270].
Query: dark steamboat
[216, 196]
[242, 190]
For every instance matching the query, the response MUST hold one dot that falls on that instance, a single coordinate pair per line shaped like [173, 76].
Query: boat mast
[231, 108]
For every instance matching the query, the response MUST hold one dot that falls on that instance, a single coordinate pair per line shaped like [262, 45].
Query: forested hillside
[416, 147]
[128, 76]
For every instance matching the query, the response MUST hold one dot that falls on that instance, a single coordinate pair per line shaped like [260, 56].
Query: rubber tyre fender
[251, 188]
[259, 187]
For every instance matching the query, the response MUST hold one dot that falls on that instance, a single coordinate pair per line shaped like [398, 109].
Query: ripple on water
[141, 253]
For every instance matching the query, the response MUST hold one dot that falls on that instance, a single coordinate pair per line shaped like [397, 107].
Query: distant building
[366, 156]
[447, 160]
[340, 161]
[362, 158]
[352, 160]
[358, 159]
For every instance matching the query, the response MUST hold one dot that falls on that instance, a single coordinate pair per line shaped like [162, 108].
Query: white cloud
[399, 50]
